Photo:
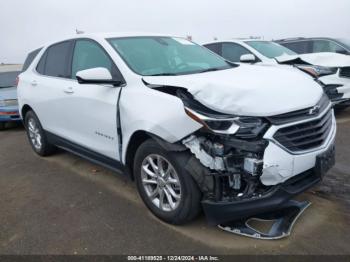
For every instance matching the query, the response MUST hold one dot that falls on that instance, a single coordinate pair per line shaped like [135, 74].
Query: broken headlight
[250, 127]
[244, 127]
[318, 71]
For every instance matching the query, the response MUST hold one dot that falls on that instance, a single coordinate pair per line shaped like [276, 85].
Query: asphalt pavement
[65, 205]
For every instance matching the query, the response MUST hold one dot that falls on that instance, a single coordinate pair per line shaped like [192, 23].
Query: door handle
[34, 83]
[69, 90]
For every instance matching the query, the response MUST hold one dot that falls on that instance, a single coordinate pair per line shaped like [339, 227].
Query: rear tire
[164, 184]
[2, 126]
[37, 136]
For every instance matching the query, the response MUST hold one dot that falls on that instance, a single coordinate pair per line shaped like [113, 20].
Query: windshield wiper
[164, 74]
[210, 70]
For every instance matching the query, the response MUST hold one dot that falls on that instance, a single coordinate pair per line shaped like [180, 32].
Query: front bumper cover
[226, 211]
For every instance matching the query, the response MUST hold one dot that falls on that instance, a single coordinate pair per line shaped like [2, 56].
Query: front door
[91, 109]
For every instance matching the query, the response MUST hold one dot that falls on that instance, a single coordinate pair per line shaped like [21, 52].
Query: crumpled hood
[320, 59]
[248, 90]
[8, 93]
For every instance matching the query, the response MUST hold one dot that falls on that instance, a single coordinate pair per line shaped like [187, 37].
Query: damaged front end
[227, 171]
[333, 79]
[227, 163]
[227, 157]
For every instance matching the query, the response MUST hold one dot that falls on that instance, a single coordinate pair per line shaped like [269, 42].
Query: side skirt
[88, 154]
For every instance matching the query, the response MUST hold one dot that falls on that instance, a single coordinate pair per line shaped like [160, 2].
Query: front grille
[307, 135]
[345, 72]
[300, 114]
[332, 92]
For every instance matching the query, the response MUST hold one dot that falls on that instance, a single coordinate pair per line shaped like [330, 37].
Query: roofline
[235, 40]
[107, 35]
[305, 38]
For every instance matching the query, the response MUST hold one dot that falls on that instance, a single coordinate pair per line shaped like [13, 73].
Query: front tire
[37, 136]
[164, 184]
[2, 126]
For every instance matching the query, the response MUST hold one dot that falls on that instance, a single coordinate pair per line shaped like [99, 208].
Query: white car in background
[192, 129]
[330, 69]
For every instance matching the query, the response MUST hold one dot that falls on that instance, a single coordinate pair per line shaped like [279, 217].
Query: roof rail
[289, 39]
[250, 37]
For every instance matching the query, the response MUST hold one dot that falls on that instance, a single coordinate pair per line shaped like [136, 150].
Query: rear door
[48, 85]
[91, 109]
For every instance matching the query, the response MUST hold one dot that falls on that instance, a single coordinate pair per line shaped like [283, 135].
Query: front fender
[154, 112]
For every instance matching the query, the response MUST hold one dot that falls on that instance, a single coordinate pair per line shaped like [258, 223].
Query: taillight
[17, 81]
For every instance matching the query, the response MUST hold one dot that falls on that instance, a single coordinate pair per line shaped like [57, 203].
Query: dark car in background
[303, 45]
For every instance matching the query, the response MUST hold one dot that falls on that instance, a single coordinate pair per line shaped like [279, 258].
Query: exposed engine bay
[235, 171]
[233, 163]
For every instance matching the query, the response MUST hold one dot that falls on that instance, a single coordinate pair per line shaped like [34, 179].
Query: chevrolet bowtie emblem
[315, 110]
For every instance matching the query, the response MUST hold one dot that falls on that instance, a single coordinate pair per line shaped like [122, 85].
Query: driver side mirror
[247, 58]
[97, 75]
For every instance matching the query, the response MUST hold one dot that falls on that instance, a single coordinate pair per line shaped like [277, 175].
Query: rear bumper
[225, 211]
[9, 114]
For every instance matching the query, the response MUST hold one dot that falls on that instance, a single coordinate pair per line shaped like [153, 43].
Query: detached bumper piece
[282, 222]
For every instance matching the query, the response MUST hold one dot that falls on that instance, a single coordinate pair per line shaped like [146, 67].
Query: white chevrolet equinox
[192, 129]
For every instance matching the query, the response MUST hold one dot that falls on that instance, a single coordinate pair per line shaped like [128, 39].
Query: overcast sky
[28, 24]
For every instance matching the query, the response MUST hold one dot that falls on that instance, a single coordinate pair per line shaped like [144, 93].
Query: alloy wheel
[161, 182]
[34, 134]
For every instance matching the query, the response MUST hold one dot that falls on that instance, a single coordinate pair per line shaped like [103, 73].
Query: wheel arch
[25, 109]
[140, 137]
[136, 139]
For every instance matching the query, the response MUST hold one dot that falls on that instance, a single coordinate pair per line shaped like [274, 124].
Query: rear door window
[56, 60]
[301, 47]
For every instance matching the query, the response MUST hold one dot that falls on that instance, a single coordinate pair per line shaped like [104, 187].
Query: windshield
[270, 49]
[8, 79]
[166, 56]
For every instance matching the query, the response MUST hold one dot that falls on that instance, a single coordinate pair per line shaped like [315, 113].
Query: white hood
[320, 59]
[248, 90]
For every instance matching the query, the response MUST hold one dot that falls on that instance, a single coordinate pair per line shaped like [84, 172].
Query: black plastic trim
[86, 153]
